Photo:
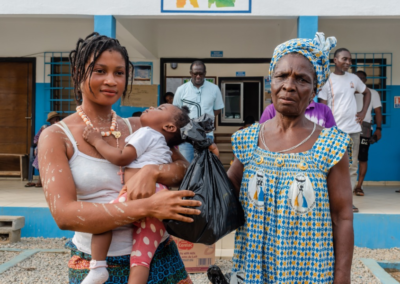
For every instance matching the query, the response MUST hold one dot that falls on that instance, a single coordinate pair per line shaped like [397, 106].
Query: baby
[148, 145]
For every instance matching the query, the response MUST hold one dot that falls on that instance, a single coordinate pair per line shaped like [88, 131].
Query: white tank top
[96, 180]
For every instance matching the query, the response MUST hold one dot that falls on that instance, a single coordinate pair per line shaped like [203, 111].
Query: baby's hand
[91, 135]
[214, 149]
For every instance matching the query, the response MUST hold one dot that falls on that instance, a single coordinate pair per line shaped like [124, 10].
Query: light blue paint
[376, 231]
[14, 261]
[42, 104]
[216, 53]
[384, 156]
[307, 26]
[25, 253]
[377, 270]
[240, 73]
[38, 222]
[370, 230]
[105, 25]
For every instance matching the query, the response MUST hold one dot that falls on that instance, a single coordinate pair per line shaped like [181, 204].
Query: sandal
[30, 184]
[355, 209]
[39, 184]
[358, 191]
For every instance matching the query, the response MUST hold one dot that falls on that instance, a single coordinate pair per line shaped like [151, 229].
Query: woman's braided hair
[93, 46]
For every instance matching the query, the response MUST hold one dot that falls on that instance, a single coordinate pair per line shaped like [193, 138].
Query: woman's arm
[235, 174]
[70, 214]
[340, 199]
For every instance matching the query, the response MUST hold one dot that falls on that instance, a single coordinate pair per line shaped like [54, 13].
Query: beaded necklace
[113, 130]
[113, 126]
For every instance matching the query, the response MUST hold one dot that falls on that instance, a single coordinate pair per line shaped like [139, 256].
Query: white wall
[367, 35]
[261, 8]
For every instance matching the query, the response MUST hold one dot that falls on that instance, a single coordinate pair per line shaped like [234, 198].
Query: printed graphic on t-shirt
[256, 189]
[352, 85]
[301, 194]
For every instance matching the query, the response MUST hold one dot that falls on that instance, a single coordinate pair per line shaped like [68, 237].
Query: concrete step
[9, 236]
[12, 222]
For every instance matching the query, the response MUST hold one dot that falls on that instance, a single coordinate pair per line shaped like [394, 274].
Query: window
[242, 98]
[58, 73]
[378, 67]
[233, 98]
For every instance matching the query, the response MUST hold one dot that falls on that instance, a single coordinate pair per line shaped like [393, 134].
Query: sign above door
[206, 6]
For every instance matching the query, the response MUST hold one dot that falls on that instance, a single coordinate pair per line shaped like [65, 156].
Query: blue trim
[206, 11]
[307, 26]
[377, 231]
[383, 157]
[394, 264]
[105, 25]
[19, 258]
[38, 222]
[42, 104]
[377, 270]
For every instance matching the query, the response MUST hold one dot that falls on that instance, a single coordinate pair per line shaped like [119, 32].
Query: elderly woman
[294, 181]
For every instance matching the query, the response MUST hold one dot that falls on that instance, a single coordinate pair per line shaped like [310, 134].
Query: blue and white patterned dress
[287, 236]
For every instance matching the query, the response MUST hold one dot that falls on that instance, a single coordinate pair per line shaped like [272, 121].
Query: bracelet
[379, 128]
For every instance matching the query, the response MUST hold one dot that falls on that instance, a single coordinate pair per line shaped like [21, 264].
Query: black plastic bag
[221, 211]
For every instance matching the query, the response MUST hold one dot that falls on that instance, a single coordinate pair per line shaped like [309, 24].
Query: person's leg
[146, 238]
[354, 165]
[355, 137]
[187, 151]
[98, 265]
[363, 164]
[362, 171]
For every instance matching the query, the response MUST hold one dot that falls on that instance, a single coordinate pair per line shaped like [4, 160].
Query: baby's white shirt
[151, 148]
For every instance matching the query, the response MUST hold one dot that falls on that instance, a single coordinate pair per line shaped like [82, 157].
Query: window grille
[378, 67]
[57, 72]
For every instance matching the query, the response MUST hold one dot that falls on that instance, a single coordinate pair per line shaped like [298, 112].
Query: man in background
[339, 94]
[201, 97]
[365, 141]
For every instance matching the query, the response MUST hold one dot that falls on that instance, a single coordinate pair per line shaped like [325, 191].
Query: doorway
[242, 97]
[17, 79]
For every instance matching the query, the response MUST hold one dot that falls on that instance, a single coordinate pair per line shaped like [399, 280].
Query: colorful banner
[205, 6]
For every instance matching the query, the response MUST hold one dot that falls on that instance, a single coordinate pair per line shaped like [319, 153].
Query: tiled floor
[14, 194]
[377, 199]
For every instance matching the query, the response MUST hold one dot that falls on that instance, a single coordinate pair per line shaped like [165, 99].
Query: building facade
[236, 39]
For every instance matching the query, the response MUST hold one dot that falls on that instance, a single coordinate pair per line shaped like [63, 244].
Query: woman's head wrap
[316, 50]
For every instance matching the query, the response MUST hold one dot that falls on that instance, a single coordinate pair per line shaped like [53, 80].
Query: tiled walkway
[377, 199]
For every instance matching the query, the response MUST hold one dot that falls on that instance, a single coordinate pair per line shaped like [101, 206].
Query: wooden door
[15, 110]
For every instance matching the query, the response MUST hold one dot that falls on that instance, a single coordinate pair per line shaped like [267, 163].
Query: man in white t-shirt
[201, 97]
[339, 94]
[365, 141]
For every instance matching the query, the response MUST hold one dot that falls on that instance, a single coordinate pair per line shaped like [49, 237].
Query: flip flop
[30, 184]
[355, 209]
[38, 185]
[358, 191]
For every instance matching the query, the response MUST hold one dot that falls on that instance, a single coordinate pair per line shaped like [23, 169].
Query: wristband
[379, 128]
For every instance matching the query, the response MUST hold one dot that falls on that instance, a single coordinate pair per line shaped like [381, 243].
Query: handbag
[366, 129]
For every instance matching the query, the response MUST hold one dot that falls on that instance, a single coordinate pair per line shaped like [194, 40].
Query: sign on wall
[141, 96]
[205, 6]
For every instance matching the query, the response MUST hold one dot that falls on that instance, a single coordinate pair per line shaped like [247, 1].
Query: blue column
[105, 25]
[307, 26]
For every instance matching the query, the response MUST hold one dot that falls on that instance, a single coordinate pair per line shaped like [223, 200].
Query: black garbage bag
[221, 211]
